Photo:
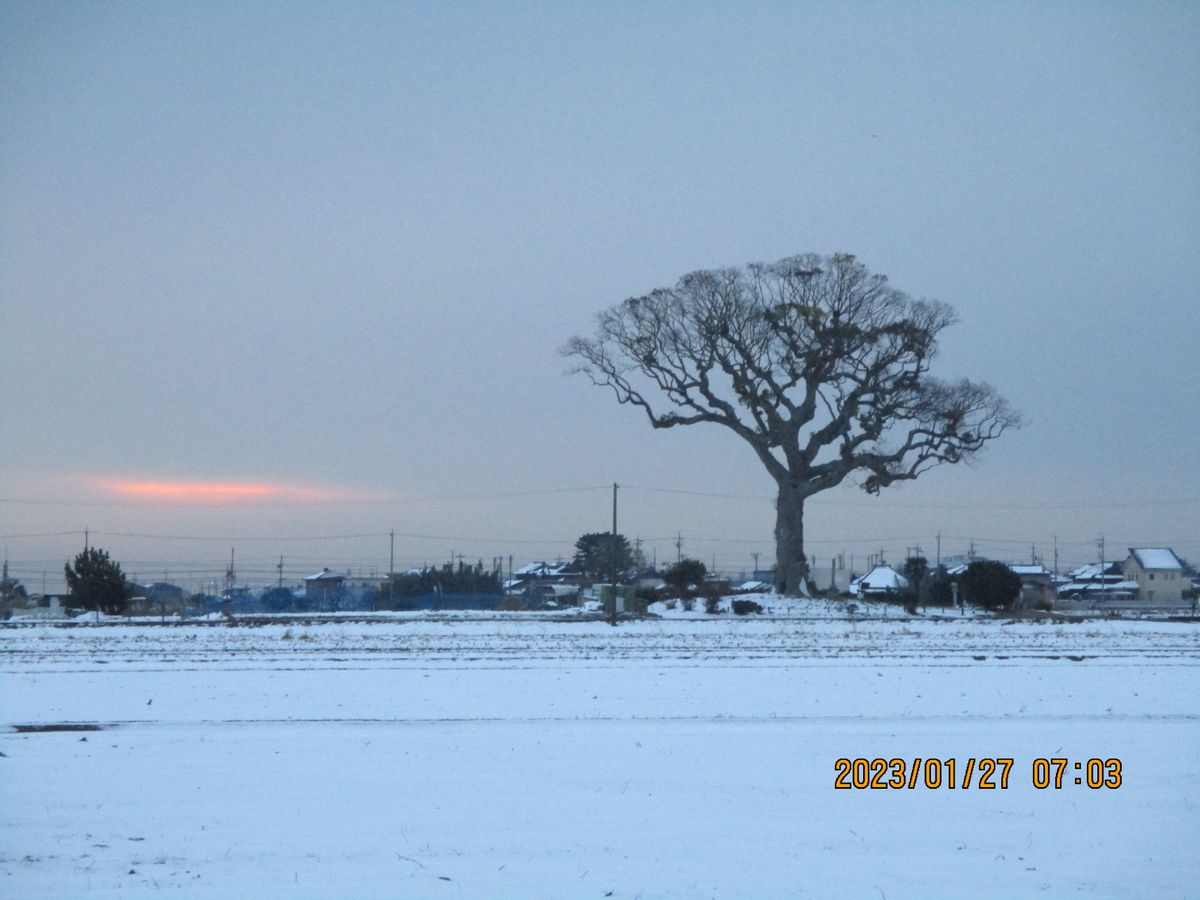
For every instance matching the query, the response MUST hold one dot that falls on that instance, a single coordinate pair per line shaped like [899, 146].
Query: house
[558, 594]
[880, 581]
[1095, 583]
[541, 583]
[1037, 587]
[324, 589]
[1158, 574]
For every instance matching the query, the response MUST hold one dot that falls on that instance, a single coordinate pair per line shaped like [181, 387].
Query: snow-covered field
[521, 755]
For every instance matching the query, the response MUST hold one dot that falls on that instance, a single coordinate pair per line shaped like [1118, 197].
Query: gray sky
[331, 250]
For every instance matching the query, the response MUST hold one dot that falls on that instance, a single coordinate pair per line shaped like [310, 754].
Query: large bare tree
[819, 365]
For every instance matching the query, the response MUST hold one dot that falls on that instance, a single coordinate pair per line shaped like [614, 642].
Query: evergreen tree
[684, 574]
[97, 582]
[594, 555]
[991, 584]
[11, 589]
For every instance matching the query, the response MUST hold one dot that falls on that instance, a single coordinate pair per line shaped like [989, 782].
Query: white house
[1037, 586]
[880, 580]
[1158, 574]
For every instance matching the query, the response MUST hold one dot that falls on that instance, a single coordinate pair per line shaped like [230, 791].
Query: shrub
[683, 574]
[746, 607]
[991, 584]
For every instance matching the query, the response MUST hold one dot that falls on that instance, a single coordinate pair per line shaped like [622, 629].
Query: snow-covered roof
[1156, 558]
[882, 578]
[1030, 570]
[753, 586]
[1094, 587]
[325, 575]
[1093, 571]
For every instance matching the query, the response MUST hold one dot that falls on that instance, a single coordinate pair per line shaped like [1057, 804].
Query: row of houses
[1148, 577]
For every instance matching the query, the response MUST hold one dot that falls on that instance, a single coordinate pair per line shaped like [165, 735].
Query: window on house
[1151, 576]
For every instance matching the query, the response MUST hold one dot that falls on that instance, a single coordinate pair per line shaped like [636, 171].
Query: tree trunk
[791, 566]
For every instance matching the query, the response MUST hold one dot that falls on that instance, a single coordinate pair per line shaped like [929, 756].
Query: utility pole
[280, 568]
[939, 550]
[230, 576]
[614, 556]
[679, 548]
[754, 573]
[391, 552]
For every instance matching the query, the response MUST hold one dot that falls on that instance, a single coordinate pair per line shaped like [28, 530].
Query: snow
[880, 578]
[489, 755]
[1030, 570]
[1157, 558]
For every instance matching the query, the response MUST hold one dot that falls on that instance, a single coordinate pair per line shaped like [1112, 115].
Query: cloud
[218, 493]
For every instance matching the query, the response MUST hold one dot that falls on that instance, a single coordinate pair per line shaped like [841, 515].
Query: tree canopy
[97, 582]
[448, 579]
[819, 365]
[684, 574]
[990, 584]
[594, 555]
[11, 589]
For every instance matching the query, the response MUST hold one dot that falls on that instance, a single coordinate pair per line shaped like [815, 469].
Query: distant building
[1096, 584]
[1159, 575]
[880, 581]
[1037, 587]
[324, 589]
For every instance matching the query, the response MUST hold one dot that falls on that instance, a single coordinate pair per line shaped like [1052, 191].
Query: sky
[290, 280]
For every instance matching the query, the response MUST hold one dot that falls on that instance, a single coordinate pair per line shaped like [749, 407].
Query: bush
[746, 607]
[683, 574]
[991, 584]
[712, 603]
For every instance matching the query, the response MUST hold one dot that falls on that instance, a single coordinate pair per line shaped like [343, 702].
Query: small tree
[97, 582]
[594, 555]
[991, 584]
[11, 589]
[940, 591]
[916, 571]
[916, 568]
[681, 576]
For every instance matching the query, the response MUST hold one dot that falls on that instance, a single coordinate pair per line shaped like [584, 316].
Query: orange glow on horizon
[192, 491]
[200, 492]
